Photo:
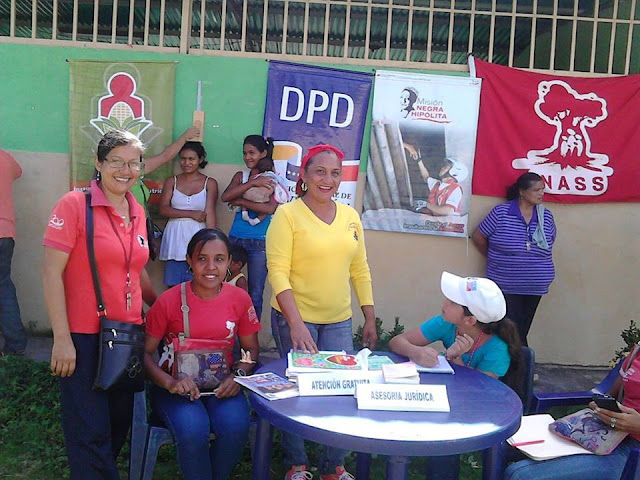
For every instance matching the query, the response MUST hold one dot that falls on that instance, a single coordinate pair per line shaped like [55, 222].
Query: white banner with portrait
[421, 153]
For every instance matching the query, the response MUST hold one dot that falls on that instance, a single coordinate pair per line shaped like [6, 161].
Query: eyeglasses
[119, 164]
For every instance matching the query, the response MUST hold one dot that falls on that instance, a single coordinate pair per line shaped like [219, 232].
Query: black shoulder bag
[121, 358]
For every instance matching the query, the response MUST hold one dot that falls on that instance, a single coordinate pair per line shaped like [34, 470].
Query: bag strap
[144, 194]
[185, 309]
[102, 310]
[141, 185]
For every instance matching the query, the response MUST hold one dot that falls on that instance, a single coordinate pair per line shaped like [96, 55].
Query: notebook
[536, 427]
[442, 367]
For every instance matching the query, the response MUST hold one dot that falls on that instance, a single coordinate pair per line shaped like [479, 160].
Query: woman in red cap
[314, 247]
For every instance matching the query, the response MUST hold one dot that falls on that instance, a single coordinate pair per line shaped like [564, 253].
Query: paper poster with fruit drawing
[323, 361]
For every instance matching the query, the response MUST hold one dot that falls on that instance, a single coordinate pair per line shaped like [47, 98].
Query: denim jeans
[575, 467]
[95, 424]
[256, 268]
[331, 336]
[191, 423]
[175, 272]
[15, 338]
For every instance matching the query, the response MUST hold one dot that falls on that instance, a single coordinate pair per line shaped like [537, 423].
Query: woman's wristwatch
[238, 372]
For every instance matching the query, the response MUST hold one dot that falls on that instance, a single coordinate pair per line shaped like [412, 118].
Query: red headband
[312, 152]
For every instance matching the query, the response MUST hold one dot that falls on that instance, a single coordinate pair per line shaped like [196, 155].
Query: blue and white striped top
[514, 267]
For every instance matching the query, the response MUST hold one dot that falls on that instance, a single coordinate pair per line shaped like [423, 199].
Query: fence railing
[583, 36]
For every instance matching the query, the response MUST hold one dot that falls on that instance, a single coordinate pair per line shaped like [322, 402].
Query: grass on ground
[32, 447]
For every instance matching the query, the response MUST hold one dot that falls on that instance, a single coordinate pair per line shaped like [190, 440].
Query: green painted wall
[34, 109]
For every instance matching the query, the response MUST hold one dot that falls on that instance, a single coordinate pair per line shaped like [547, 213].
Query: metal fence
[582, 36]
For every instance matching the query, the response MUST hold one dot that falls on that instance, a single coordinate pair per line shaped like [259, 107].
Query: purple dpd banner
[309, 105]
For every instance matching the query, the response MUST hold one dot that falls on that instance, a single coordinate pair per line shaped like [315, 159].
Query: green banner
[137, 97]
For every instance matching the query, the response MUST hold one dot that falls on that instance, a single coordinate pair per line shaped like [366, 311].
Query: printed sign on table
[335, 383]
[407, 398]
[421, 153]
[127, 96]
[307, 106]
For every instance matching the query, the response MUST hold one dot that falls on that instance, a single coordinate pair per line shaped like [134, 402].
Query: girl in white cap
[475, 333]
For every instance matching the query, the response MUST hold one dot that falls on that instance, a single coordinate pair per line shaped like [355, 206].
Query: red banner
[579, 134]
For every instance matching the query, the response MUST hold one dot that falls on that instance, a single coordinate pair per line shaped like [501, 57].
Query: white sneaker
[298, 472]
[341, 474]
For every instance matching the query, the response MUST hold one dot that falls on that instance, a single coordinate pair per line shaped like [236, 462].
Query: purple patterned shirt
[514, 261]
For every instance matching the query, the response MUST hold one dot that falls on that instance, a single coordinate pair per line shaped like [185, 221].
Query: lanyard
[528, 232]
[127, 259]
[474, 347]
[476, 344]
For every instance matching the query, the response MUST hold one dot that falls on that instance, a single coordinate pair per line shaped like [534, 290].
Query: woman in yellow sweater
[314, 247]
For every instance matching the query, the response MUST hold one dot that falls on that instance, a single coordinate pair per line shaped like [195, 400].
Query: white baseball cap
[481, 296]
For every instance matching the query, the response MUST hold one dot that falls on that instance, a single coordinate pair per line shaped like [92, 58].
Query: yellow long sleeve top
[316, 261]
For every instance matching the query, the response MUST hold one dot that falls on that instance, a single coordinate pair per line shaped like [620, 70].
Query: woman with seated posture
[596, 467]
[475, 333]
[217, 311]
[445, 194]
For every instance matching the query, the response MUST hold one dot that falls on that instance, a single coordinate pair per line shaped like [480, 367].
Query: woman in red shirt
[95, 423]
[217, 311]
[596, 467]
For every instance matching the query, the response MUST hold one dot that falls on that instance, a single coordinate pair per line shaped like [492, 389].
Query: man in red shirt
[15, 338]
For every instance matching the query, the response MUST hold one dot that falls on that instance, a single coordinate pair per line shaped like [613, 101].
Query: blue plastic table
[484, 412]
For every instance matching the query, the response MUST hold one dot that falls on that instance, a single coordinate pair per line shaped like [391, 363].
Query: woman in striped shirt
[517, 238]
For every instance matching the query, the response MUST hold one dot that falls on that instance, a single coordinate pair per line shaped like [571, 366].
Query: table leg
[363, 466]
[262, 453]
[492, 463]
[397, 468]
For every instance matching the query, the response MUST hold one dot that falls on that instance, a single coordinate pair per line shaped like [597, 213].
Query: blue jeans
[331, 336]
[15, 338]
[95, 424]
[256, 268]
[575, 467]
[191, 424]
[175, 272]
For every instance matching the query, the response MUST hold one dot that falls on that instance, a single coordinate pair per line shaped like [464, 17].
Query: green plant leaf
[631, 337]
[136, 125]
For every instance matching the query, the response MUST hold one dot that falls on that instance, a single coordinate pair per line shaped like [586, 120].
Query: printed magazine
[269, 385]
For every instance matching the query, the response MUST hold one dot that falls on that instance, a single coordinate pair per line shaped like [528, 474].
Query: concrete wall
[597, 253]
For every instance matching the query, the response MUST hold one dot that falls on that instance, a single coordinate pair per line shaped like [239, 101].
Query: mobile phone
[607, 402]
